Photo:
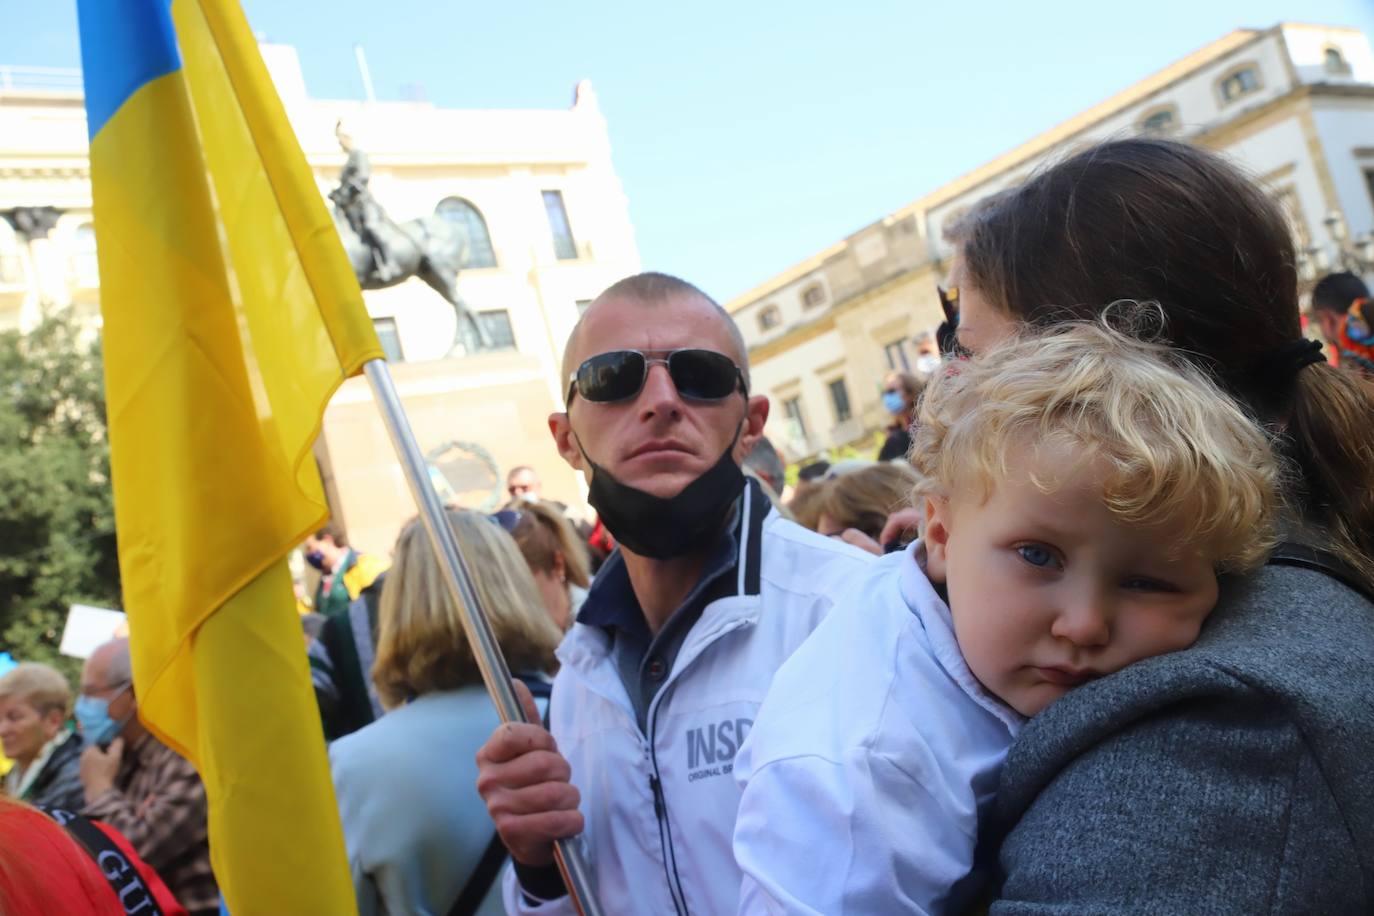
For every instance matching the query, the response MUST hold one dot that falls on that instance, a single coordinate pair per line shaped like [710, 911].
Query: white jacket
[872, 758]
[672, 853]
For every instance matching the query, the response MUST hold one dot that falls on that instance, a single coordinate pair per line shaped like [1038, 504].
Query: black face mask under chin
[663, 528]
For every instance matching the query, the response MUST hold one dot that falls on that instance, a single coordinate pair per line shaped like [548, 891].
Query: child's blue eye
[1036, 555]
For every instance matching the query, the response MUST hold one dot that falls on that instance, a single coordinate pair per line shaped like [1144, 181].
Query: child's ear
[935, 538]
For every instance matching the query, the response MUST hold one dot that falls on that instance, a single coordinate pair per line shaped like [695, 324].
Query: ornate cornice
[81, 172]
[32, 222]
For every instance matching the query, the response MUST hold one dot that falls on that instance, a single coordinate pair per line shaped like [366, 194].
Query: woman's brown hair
[544, 533]
[1158, 220]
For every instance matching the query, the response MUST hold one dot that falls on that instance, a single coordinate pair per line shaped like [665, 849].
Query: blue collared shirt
[644, 659]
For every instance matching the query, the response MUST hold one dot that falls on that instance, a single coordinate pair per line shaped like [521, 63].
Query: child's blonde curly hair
[1173, 449]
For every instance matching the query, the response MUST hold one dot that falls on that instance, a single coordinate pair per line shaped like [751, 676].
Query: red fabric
[600, 538]
[44, 871]
[161, 894]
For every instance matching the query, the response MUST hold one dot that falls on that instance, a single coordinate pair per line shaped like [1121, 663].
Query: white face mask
[927, 363]
[529, 496]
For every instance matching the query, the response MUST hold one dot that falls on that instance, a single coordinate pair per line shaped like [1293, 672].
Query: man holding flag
[230, 317]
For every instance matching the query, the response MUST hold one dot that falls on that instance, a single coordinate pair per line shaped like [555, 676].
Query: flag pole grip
[477, 628]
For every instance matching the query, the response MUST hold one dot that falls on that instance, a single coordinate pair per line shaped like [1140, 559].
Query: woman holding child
[1202, 743]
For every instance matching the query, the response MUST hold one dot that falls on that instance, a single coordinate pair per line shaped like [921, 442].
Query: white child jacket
[660, 808]
[870, 761]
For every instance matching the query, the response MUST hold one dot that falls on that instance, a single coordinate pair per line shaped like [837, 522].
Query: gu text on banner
[230, 317]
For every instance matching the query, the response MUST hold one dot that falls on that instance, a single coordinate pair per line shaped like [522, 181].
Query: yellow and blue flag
[231, 316]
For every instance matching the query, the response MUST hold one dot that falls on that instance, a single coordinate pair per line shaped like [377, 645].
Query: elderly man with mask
[140, 786]
[684, 626]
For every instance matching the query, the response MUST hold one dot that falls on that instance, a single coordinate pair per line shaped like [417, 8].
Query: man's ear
[564, 440]
[935, 538]
[755, 417]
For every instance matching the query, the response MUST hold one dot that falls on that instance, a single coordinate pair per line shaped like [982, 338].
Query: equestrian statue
[384, 253]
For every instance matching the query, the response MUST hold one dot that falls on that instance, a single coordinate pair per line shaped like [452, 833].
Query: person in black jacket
[901, 390]
[341, 657]
[35, 704]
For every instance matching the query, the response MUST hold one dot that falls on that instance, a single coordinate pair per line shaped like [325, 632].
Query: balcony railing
[40, 79]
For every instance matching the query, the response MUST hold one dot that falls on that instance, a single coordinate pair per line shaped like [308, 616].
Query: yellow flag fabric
[231, 315]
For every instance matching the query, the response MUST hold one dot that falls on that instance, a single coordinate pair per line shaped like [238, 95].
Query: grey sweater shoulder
[1233, 777]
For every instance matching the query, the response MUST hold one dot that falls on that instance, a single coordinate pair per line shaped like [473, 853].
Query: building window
[769, 318]
[813, 296]
[390, 339]
[1239, 82]
[84, 263]
[497, 324]
[1334, 62]
[839, 398]
[792, 409]
[1160, 122]
[11, 257]
[896, 356]
[468, 224]
[582, 306]
[1369, 183]
[564, 248]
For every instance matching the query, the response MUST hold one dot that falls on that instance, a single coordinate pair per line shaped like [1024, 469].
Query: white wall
[1345, 128]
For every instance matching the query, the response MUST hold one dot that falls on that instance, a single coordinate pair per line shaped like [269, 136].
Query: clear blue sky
[748, 135]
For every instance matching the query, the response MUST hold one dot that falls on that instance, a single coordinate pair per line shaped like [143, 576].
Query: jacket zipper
[665, 829]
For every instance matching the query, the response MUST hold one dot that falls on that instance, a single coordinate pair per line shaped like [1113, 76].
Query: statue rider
[359, 207]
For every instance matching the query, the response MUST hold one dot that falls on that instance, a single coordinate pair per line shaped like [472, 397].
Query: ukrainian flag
[230, 317]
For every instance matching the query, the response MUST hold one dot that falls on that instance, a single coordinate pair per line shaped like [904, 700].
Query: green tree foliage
[57, 542]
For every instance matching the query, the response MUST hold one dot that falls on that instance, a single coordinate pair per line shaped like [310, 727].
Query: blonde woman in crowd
[418, 835]
[35, 704]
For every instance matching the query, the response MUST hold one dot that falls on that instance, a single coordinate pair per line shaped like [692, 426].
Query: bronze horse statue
[428, 248]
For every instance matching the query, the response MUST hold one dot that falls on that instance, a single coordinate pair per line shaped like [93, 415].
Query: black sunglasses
[701, 375]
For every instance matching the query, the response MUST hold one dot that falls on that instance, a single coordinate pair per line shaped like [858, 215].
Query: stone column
[49, 288]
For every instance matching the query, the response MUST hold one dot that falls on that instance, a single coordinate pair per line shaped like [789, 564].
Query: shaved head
[650, 290]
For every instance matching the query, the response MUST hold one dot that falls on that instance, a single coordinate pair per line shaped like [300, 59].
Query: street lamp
[1355, 255]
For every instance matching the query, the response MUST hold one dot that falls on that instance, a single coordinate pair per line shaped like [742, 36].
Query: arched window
[1240, 81]
[84, 264]
[769, 318]
[469, 225]
[1160, 122]
[11, 257]
[1334, 62]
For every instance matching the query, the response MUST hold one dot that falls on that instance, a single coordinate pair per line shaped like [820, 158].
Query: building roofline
[1317, 27]
[1137, 92]
[778, 281]
[1083, 121]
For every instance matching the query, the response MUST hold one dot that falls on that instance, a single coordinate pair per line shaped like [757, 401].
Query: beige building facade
[533, 192]
[1292, 104]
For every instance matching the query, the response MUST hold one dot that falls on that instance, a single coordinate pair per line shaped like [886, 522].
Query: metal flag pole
[475, 625]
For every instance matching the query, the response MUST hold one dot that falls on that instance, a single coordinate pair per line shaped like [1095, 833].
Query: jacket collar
[739, 577]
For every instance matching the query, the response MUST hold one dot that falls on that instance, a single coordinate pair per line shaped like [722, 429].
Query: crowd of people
[1091, 634]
